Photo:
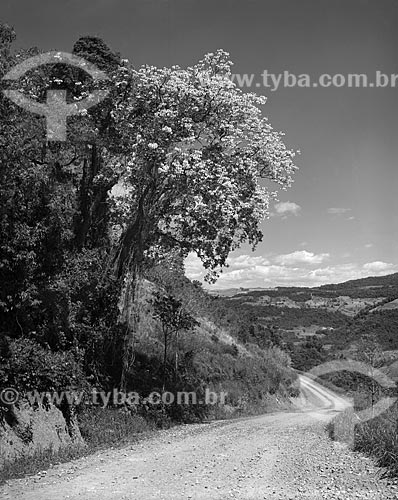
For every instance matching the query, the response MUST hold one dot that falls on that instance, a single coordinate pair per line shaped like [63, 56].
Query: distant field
[387, 307]
[310, 331]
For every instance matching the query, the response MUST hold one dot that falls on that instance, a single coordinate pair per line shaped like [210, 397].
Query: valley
[328, 320]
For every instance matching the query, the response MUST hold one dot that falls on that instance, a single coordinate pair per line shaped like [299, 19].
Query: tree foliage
[192, 148]
[172, 161]
[174, 319]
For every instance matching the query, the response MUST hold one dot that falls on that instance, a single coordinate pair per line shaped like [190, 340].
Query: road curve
[275, 456]
[316, 397]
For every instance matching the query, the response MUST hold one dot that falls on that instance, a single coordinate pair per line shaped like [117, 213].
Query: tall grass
[377, 438]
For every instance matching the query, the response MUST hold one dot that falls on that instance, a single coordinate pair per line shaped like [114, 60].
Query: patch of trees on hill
[381, 324]
[289, 317]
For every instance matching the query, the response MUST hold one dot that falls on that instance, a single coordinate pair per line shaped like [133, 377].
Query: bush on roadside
[29, 366]
[377, 438]
[106, 426]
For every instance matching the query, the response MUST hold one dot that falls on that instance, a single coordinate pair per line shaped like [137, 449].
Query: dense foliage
[170, 162]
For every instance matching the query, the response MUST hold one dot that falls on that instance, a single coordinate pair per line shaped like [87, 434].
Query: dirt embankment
[28, 430]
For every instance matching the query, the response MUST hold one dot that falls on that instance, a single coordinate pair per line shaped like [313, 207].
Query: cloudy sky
[339, 220]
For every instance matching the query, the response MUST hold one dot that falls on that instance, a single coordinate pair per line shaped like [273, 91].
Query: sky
[339, 220]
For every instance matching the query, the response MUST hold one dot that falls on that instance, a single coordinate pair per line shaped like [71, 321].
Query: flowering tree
[191, 149]
[171, 160]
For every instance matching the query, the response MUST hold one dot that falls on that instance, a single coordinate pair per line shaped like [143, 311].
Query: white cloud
[378, 266]
[287, 270]
[236, 265]
[285, 208]
[193, 267]
[301, 257]
[338, 211]
[246, 261]
[369, 245]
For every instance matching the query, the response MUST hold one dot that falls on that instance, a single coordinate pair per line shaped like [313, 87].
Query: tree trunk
[176, 355]
[131, 317]
[129, 259]
[164, 360]
[129, 262]
[91, 202]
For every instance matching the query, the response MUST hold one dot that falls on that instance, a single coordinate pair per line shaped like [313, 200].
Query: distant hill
[390, 280]
[228, 292]
[372, 286]
[336, 314]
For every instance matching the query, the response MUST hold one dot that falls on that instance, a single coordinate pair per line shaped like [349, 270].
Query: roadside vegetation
[94, 235]
[377, 437]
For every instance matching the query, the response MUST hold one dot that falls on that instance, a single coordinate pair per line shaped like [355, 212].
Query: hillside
[331, 316]
[207, 356]
[371, 286]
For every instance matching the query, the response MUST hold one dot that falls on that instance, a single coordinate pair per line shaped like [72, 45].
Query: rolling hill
[336, 314]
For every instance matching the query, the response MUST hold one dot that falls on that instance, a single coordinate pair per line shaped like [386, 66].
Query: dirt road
[276, 456]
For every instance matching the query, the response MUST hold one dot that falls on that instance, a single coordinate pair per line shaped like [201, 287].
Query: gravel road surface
[275, 456]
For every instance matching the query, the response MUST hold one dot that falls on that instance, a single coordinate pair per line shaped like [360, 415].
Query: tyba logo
[56, 109]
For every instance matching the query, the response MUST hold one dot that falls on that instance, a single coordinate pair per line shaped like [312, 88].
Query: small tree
[369, 351]
[174, 319]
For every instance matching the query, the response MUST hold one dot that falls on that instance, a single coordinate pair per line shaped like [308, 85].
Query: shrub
[100, 426]
[377, 438]
[29, 366]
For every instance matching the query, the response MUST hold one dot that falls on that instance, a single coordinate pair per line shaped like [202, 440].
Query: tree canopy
[172, 161]
[191, 150]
